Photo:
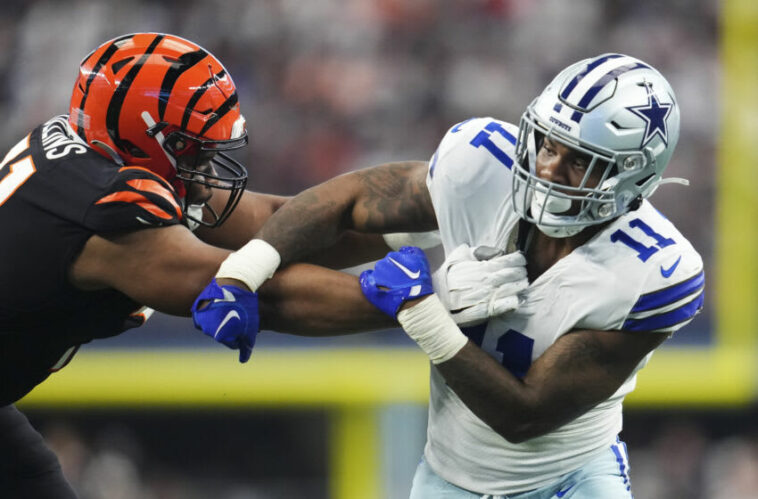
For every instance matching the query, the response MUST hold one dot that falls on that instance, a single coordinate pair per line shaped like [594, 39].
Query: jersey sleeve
[469, 181]
[648, 276]
[668, 305]
[135, 198]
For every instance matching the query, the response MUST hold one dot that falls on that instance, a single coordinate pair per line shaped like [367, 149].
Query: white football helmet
[623, 114]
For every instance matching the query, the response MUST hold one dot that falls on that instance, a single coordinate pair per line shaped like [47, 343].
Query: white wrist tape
[252, 264]
[429, 324]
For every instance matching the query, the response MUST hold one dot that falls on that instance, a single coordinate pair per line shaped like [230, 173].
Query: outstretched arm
[254, 209]
[308, 300]
[166, 268]
[386, 198]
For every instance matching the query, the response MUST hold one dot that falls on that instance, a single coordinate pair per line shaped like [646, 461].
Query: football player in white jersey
[526, 404]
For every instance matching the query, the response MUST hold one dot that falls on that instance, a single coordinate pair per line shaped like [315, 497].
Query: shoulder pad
[470, 183]
[672, 280]
[485, 143]
[642, 273]
[136, 198]
[668, 308]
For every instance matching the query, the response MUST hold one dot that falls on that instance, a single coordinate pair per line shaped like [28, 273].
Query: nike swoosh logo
[406, 270]
[563, 492]
[231, 315]
[667, 272]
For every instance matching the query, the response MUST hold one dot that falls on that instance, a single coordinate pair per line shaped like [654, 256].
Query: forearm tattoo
[387, 198]
[396, 199]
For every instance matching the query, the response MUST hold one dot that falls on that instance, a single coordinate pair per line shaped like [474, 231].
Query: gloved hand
[475, 284]
[231, 316]
[400, 276]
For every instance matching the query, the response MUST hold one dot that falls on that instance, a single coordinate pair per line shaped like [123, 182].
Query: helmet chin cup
[553, 205]
[193, 215]
[546, 209]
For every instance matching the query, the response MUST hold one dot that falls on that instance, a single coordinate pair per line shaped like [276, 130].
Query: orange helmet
[147, 99]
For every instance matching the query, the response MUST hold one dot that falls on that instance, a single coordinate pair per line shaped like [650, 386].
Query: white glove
[477, 283]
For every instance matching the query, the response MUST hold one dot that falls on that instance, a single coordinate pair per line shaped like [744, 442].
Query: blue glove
[230, 318]
[398, 277]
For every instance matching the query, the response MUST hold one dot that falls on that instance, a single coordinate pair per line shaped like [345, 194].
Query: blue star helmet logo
[655, 114]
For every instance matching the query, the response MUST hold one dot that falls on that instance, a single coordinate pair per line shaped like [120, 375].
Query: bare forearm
[580, 370]
[312, 301]
[511, 407]
[351, 249]
[245, 221]
[386, 198]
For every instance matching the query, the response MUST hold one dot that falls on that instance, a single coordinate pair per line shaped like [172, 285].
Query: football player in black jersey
[119, 205]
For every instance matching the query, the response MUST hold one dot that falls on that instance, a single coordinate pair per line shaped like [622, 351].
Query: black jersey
[55, 193]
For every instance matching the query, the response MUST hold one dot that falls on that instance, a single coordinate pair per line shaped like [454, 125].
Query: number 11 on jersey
[516, 348]
[20, 170]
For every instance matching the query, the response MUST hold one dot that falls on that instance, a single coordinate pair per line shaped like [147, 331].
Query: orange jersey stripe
[158, 178]
[165, 183]
[136, 198]
[149, 185]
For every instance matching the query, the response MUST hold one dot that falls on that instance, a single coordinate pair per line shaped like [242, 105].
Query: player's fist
[229, 315]
[400, 276]
[477, 283]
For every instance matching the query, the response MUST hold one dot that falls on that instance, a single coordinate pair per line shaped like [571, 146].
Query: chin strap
[560, 231]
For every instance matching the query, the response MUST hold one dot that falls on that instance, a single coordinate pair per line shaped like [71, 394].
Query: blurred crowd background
[328, 86]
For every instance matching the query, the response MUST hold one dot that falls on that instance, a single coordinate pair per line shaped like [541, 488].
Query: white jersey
[638, 274]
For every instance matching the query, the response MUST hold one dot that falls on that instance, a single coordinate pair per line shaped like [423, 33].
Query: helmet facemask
[562, 210]
[204, 162]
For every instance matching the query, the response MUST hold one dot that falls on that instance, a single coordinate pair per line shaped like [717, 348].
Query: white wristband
[252, 264]
[429, 324]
